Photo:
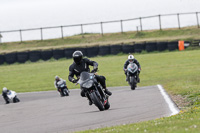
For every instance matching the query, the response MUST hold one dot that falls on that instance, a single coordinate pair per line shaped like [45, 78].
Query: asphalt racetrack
[41, 112]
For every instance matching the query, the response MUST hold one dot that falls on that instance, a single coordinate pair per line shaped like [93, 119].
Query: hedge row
[34, 56]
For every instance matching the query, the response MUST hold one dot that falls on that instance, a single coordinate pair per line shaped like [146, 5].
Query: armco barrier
[83, 50]
[34, 55]
[139, 47]
[2, 59]
[127, 48]
[58, 53]
[151, 46]
[161, 46]
[11, 57]
[172, 45]
[92, 51]
[68, 52]
[104, 50]
[46, 55]
[115, 49]
[22, 57]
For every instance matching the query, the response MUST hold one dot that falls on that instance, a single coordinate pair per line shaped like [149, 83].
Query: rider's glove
[139, 69]
[74, 80]
[95, 68]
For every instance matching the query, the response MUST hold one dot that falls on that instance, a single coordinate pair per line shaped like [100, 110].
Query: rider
[57, 79]
[131, 59]
[4, 94]
[81, 64]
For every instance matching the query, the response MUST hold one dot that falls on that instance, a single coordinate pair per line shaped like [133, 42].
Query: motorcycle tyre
[66, 92]
[133, 84]
[107, 105]
[16, 100]
[97, 101]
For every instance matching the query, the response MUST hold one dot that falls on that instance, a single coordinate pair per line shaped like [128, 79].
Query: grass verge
[186, 33]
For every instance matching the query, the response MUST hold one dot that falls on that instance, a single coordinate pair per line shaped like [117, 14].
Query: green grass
[186, 33]
[184, 122]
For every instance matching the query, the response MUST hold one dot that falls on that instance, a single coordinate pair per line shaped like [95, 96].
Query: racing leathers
[127, 63]
[4, 94]
[76, 69]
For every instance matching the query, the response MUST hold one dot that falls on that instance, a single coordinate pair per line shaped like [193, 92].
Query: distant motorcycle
[94, 90]
[132, 73]
[62, 88]
[12, 97]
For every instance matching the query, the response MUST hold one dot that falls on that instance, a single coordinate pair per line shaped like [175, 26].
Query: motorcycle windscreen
[85, 76]
[132, 67]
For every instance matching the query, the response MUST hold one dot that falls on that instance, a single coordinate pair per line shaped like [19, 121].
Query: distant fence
[33, 56]
[157, 23]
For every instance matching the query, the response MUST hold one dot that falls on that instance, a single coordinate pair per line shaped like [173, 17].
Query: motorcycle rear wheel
[107, 105]
[16, 100]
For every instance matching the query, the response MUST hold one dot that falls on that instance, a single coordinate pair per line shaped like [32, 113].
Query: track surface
[42, 112]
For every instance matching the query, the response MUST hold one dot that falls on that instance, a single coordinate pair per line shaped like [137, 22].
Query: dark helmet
[77, 56]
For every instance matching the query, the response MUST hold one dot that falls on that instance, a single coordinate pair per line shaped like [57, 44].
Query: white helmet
[57, 78]
[130, 57]
[4, 89]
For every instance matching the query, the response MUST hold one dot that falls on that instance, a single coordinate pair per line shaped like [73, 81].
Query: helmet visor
[77, 60]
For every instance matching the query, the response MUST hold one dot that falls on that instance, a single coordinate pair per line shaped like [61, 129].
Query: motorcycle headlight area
[88, 84]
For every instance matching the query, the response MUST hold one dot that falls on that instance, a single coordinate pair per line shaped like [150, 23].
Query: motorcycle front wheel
[66, 92]
[133, 83]
[96, 100]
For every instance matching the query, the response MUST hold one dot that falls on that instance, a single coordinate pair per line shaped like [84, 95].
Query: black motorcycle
[62, 88]
[132, 73]
[94, 90]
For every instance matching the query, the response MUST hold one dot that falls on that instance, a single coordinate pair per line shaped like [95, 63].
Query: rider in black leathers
[81, 64]
[131, 59]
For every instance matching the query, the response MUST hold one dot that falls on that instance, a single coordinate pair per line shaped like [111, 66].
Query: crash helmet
[5, 89]
[130, 58]
[57, 78]
[77, 57]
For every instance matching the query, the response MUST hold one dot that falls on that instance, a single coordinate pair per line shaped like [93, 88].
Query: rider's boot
[126, 78]
[90, 102]
[138, 79]
[107, 92]
[7, 102]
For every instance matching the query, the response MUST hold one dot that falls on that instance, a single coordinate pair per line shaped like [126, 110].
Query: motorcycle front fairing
[61, 84]
[132, 73]
[11, 95]
[132, 69]
[88, 82]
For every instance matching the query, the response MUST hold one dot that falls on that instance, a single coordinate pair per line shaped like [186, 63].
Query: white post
[0, 37]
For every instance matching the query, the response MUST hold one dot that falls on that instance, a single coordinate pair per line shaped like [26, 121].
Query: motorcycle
[12, 97]
[94, 90]
[62, 88]
[132, 73]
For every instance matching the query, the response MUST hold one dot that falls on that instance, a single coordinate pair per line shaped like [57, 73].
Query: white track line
[168, 100]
